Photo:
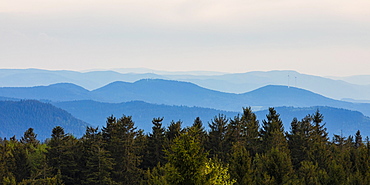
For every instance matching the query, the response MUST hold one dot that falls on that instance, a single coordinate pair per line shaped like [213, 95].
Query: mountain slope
[334, 87]
[161, 92]
[244, 82]
[89, 80]
[55, 92]
[142, 113]
[95, 113]
[17, 116]
[183, 93]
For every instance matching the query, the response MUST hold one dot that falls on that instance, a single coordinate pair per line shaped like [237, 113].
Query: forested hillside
[337, 120]
[17, 116]
[96, 113]
[238, 151]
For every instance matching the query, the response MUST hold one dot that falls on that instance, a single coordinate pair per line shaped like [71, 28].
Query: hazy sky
[322, 37]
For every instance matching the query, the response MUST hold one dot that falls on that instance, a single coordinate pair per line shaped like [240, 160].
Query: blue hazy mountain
[334, 87]
[142, 113]
[89, 80]
[337, 120]
[182, 93]
[55, 92]
[356, 79]
[244, 82]
[163, 92]
[17, 116]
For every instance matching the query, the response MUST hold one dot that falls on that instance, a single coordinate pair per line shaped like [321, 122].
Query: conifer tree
[198, 131]
[97, 161]
[249, 119]
[119, 136]
[299, 140]
[187, 157]
[217, 137]
[64, 155]
[274, 167]
[240, 165]
[173, 130]
[272, 132]
[155, 145]
[319, 148]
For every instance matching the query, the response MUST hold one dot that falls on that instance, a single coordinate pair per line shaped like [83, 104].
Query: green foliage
[155, 145]
[217, 144]
[276, 165]
[235, 151]
[119, 137]
[240, 165]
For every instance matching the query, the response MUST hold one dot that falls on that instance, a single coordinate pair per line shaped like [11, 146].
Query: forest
[240, 151]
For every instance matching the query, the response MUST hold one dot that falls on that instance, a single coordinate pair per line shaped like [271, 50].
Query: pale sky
[321, 37]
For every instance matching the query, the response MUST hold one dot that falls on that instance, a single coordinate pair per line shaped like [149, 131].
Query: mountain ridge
[230, 82]
[170, 92]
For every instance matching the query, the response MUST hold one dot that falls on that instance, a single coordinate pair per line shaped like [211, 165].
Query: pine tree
[119, 137]
[29, 138]
[217, 137]
[299, 140]
[98, 163]
[272, 132]
[64, 155]
[249, 119]
[187, 158]
[319, 142]
[198, 131]
[274, 167]
[155, 145]
[241, 168]
[173, 130]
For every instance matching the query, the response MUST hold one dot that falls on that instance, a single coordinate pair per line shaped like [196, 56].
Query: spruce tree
[97, 161]
[240, 163]
[173, 130]
[217, 137]
[249, 119]
[155, 145]
[119, 136]
[272, 132]
[64, 154]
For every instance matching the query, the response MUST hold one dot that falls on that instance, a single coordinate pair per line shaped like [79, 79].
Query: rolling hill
[17, 116]
[355, 87]
[184, 94]
[142, 113]
[337, 120]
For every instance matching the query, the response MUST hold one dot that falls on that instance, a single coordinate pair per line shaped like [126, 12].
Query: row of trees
[237, 151]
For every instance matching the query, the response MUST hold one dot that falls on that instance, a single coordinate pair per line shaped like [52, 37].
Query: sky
[319, 37]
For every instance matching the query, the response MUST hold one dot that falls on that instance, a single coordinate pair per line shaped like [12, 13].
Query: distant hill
[183, 93]
[356, 79]
[244, 82]
[17, 116]
[356, 87]
[142, 113]
[337, 120]
[89, 80]
[55, 92]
